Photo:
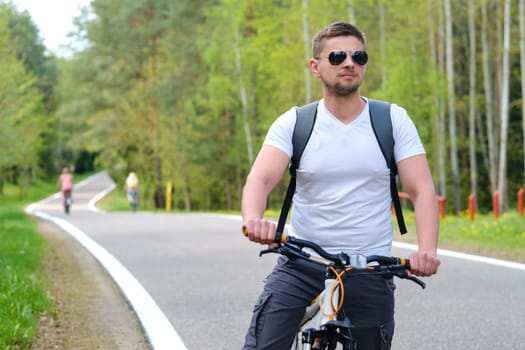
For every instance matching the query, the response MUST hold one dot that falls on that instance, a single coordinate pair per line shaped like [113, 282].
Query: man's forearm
[253, 204]
[427, 223]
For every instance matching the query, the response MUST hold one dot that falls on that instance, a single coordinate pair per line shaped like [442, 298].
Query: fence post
[442, 209]
[521, 193]
[472, 206]
[168, 196]
[495, 204]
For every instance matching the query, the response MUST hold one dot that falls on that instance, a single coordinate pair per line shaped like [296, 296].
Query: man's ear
[314, 67]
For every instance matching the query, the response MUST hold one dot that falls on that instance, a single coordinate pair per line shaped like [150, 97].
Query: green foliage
[184, 91]
[21, 125]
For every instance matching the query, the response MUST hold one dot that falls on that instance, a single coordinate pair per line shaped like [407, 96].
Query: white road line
[92, 203]
[470, 257]
[158, 329]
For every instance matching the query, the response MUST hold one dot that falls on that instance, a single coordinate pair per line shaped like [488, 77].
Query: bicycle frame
[324, 309]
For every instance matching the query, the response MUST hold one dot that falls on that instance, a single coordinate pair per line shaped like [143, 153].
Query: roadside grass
[22, 285]
[117, 201]
[502, 238]
[22, 251]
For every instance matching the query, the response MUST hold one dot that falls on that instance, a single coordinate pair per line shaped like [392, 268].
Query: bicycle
[68, 200]
[331, 326]
[133, 198]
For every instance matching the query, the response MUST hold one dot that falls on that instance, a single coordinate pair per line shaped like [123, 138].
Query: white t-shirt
[342, 199]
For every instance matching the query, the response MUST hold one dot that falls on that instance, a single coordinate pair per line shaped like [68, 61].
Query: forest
[184, 91]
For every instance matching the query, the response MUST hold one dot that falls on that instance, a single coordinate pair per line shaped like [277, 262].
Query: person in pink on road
[65, 183]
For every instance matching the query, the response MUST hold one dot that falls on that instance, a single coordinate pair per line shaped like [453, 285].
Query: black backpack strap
[304, 125]
[382, 126]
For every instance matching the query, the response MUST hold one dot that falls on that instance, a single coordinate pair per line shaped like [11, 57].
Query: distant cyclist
[132, 190]
[65, 184]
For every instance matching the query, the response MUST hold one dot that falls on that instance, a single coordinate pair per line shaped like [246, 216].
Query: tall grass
[22, 251]
[22, 295]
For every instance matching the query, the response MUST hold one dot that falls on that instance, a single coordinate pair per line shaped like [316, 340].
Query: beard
[342, 90]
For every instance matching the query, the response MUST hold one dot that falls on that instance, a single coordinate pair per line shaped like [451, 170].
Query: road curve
[193, 279]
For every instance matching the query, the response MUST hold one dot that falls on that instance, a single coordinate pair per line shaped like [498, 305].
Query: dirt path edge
[92, 311]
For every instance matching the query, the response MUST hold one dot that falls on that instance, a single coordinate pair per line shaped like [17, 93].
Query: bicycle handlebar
[386, 265]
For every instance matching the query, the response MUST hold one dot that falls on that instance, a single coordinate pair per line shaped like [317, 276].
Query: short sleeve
[280, 132]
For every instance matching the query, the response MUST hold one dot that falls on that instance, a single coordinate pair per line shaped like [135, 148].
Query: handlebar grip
[280, 237]
[405, 263]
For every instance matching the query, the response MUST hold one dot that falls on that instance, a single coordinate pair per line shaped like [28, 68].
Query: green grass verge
[22, 293]
[501, 238]
[22, 251]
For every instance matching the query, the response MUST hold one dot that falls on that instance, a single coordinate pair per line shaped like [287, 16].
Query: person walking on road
[342, 200]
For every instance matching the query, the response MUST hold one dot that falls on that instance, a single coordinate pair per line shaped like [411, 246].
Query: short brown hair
[333, 30]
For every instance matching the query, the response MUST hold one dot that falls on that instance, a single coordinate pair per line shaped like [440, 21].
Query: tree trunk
[472, 100]
[522, 65]
[435, 98]
[351, 11]
[382, 42]
[243, 95]
[489, 100]
[307, 54]
[452, 108]
[441, 122]
[504, 111]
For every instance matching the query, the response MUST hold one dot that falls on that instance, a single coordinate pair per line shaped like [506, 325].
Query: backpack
[382, 126]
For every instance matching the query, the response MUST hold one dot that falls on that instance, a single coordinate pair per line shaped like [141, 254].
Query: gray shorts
[293, 284]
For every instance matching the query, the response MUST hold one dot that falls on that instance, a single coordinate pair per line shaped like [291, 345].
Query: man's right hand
[260, 230]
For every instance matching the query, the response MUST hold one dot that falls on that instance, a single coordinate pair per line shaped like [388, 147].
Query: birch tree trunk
[307, 54]
[504, 111]
[451, 107]
[438, 133]
[472, 99]
[242, 94]
[489, 100]
[351, 11]
[441, 106]
[382, 42]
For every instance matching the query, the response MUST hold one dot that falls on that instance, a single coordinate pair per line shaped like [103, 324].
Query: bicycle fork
[329, 329]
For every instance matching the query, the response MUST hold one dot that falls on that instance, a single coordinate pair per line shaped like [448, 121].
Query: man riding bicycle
[342, 200]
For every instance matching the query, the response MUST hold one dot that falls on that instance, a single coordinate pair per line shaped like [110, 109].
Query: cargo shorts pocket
[386, 330]
[257, 320]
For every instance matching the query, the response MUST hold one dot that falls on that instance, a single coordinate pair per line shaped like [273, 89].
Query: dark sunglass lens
[336, 57]
[360, 57]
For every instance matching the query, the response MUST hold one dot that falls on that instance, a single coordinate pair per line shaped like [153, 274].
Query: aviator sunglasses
[339, 56]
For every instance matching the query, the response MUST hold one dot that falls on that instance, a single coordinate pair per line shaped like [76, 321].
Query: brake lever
[403, 274]
[417, 281]
[277, 250]
[288, 250]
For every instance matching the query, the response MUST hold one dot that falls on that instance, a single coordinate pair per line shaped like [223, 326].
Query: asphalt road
[204, 277]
